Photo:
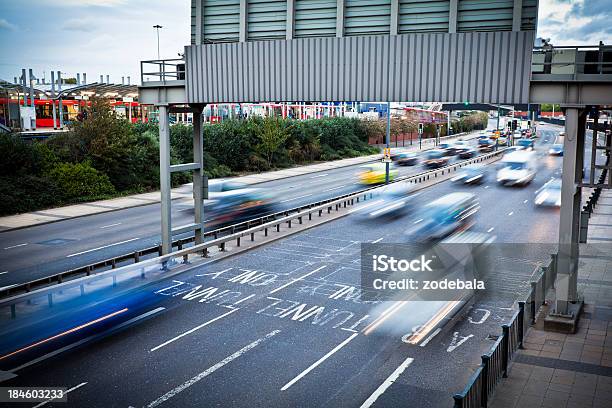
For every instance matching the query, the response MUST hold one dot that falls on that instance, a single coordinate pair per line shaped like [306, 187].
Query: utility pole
[157, 27]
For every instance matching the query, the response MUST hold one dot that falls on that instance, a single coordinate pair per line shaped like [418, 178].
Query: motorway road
[40, 251]
[290, 330]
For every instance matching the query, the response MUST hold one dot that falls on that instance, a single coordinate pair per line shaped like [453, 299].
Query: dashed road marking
[210, 370]
[319, 361]
[16, 246]
[390, 380]
[102, 247]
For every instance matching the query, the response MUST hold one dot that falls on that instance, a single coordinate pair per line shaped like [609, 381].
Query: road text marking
[319, 361]
[210, 370]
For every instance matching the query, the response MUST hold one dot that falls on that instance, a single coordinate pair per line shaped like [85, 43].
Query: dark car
[435, 158]
[467, 153]
[407, 159]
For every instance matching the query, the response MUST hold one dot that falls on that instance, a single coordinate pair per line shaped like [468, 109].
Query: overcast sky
[112, 36]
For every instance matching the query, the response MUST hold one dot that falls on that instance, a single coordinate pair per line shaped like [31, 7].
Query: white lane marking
[335, 188]
[110, 225]
[210, 370]
[378, 240]
[511, 212]
[66, 392]
[525, 201]
[295, 198]
[85, 340]
[490, 229]
[102, 247]
[3, 272]
[390, 380]
[16, 246]
[297, 280]
[188, 332]
[319, 361]
[431, 336]
[320, 175]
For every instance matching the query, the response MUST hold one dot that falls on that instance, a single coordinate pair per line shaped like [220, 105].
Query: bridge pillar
[198, 174]
[569, 223]
[164, 179]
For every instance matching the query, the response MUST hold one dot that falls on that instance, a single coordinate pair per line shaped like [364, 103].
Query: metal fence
[496, 362]
[180, 244]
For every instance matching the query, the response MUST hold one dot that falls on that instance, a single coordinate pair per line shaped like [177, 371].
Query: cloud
[82, 25]
[5, 25]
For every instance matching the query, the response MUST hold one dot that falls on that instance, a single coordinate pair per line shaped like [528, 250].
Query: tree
[272, 135]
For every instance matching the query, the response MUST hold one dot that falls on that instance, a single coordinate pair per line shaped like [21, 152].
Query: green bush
[81, 181]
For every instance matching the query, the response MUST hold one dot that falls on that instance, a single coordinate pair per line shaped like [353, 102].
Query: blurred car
[448, 148]
[556, 150]
[467, 153]
[395, 200]
[525, 143]
[435, 158]
[407, 159]
[375, 173]
[443, 216]
[486, 145]
[517, 168]
[549, 195]
[238, 205]
[470, 175]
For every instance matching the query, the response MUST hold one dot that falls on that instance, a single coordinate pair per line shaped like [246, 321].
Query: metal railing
[162, 70]
[572, 60]
[180, 243]
[495, 363]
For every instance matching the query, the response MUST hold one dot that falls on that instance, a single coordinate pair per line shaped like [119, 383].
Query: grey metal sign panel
[478, 67]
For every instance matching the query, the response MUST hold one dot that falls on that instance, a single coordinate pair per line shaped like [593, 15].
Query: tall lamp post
[157, 27]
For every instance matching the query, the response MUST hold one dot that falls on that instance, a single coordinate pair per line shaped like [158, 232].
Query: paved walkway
[184, 191]
[567, 371]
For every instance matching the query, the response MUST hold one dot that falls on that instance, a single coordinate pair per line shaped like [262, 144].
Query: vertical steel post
[60, 105]
[569, 223]
[53, 100]
[388, 140]
[198, 157]
[164, 180]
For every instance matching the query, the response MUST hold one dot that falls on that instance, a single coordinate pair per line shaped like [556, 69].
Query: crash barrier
[495, 363]
[237, 232]
[591, 202]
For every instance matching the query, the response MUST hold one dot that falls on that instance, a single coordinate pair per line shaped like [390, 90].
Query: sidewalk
[182, 192]
[575, 370]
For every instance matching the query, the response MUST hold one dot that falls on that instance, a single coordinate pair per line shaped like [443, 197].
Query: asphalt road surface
[290, 329]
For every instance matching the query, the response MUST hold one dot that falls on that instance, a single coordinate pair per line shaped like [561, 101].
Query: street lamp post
[157, 27]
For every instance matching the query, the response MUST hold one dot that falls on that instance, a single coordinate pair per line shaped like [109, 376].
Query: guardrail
[495, 363]
[162, 70]
[591, 202]
[136, 256]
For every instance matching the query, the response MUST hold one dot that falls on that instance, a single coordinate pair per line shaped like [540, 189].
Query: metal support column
[388, 140]
[569, 223]
[198, 174]
[164, 179]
